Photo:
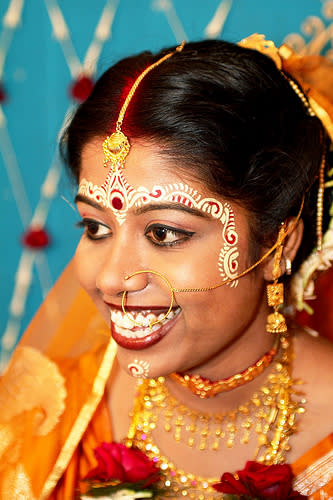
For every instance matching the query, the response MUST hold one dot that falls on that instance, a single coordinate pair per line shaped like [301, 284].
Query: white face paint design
[139, 368]
[119, 196]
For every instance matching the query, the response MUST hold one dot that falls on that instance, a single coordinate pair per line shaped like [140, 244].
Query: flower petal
[229, 484]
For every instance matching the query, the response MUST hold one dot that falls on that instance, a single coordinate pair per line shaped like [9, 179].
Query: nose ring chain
[148, 323]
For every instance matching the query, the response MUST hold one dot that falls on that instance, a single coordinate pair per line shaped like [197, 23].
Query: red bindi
[117, 203]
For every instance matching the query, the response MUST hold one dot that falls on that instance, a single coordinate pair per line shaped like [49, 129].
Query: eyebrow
[148, 208]
[172, 206]
[88, 201]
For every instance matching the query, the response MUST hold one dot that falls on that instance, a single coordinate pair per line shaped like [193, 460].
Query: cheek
[206, 264]
[222, 314]
[85, 267]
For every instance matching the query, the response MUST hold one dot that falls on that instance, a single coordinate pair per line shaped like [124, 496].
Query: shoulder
[312, 366]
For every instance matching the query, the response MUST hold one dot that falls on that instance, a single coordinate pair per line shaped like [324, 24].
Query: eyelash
[84, 223]
[186, 235]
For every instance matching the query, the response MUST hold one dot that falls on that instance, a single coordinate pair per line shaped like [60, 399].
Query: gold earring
[276, 322]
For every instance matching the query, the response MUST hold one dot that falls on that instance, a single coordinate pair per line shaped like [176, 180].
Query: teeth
[151, 318]
[137, 334]
[124, 323]
[142, 320]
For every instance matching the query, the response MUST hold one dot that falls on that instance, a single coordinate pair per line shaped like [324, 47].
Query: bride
[203, 191]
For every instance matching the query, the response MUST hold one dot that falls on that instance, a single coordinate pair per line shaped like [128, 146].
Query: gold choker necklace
[205, 388]
[271, 412]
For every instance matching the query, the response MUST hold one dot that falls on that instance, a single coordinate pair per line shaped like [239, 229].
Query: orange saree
[314, 471]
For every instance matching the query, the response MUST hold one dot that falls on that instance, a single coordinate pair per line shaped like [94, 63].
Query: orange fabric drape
[314, 471]
[49, 393]
[98, 431]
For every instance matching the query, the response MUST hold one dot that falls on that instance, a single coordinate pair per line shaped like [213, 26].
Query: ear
[290, 247]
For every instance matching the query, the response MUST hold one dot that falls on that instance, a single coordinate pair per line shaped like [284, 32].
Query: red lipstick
[156, 309]
[149, 340]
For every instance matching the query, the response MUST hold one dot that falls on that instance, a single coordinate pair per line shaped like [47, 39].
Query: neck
[252, 343]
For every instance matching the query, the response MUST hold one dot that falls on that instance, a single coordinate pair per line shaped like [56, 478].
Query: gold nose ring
[149, 324]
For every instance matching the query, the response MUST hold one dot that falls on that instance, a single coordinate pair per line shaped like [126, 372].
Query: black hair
[224, 114]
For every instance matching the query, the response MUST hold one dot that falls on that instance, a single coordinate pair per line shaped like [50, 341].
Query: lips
[129, 335]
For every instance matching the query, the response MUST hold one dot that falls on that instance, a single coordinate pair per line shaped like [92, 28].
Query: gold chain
[116, 146]
[257, 263]
[271, 411]
[320, 202]
[138, 81]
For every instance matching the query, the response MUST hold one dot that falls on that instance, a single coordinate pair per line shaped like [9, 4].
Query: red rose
[264, 482]
[229, 484]
[117, 461]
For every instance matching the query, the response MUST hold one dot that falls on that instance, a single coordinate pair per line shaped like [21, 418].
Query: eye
[162, 235]
[94, 230]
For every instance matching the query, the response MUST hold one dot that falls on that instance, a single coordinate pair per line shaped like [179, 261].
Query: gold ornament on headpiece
[116, 146]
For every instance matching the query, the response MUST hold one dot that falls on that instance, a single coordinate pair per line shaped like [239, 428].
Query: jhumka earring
[276, 322]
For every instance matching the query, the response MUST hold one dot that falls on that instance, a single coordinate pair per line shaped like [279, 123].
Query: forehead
[145, 166]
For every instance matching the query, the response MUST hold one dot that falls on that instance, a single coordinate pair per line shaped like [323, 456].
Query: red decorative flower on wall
[36, 238]
[81, 88]
[2, 93]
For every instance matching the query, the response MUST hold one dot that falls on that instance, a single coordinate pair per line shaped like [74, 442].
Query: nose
[119, 261]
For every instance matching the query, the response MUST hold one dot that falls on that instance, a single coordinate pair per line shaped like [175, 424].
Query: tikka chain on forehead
[118, 195]
[116, 146]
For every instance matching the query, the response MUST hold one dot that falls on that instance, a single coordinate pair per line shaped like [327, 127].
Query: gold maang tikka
[276, 322]
[116, 146]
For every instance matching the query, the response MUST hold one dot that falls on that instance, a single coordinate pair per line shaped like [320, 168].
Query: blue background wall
[36, 78]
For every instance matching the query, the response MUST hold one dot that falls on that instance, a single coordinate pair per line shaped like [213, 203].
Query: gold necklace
[274, 409]
[205, 388]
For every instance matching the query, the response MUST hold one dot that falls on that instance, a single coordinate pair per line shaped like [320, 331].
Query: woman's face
[184, 242]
